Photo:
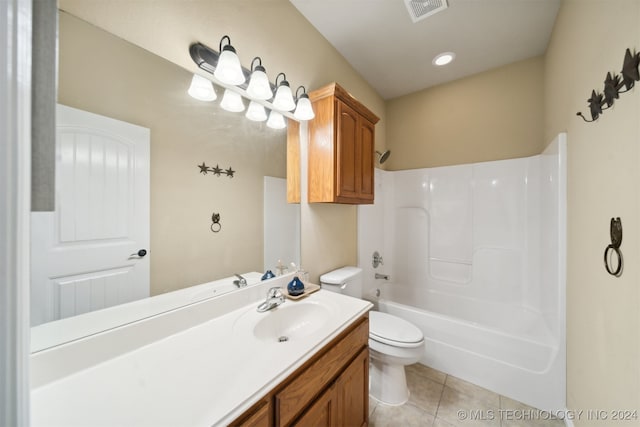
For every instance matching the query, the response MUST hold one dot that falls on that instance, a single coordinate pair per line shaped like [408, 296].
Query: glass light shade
[232, 101]
[256, 112]
[304, 110]
[259, 86]
[229, 70]
[276, 120]
[284, 98]
[202, 89]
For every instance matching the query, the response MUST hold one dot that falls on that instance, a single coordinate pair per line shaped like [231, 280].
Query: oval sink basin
[292, 320]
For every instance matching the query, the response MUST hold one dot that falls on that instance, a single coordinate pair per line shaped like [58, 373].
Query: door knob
[141, 253]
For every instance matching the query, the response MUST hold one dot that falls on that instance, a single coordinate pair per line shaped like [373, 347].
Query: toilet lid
[392, 330]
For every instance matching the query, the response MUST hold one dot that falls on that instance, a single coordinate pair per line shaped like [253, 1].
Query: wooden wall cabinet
[331, 389]
[341, 148]
[293, 162]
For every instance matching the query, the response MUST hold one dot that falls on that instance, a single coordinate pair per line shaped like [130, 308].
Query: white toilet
[393, 342]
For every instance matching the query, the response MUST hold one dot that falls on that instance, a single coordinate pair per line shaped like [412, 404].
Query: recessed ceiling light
[443, 58]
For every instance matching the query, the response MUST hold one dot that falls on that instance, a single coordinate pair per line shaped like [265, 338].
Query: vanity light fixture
[202, 89]
[304, 110]
[443, 59]
[228, 70]
[252, 84]
[284, 98]
[276, 120]
[259, 86]
[232, 101]
[256, 112]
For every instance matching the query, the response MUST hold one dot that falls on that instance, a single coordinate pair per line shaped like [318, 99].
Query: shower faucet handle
[377, 259]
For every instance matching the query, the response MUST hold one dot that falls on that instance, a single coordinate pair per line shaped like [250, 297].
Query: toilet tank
[345, 280]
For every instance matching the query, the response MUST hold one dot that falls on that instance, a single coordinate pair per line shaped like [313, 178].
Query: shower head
[382, 157]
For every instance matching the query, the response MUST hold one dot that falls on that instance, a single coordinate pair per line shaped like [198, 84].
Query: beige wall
[274, 30]
[603, 315]
[493, 115]
[106, 75]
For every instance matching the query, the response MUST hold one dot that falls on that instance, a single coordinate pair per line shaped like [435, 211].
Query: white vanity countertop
[204, 375]
[66, 330]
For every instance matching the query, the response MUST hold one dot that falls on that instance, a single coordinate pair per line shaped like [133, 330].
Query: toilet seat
[391, 330]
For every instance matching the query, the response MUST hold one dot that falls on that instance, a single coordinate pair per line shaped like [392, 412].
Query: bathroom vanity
[215, 362]
[330, 389]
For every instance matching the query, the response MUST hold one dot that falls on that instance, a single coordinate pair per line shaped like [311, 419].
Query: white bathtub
[500, 347]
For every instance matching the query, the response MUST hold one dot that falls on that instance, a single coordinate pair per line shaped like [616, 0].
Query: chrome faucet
[274, 299]
[241, 282]
[382, 276]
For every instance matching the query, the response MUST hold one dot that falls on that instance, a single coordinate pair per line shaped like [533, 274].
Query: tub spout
[382, 276]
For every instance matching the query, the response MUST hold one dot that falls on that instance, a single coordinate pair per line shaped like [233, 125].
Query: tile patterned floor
[440, 400]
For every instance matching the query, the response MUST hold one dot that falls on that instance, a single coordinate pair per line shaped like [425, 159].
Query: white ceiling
[394, 55]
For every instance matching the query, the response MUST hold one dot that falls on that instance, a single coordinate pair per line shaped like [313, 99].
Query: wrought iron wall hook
[613, 84]
[215, 223]
[615, 231]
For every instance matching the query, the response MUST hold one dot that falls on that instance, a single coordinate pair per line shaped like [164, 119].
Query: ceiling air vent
[420, 9]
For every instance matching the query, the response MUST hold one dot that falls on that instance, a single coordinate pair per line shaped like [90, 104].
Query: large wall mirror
[203, 162]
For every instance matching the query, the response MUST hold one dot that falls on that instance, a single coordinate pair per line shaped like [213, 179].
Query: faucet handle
[241, 282]
[275, 292]
[377, 259]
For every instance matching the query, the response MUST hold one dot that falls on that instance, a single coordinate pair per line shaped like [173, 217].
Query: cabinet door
[353, 392]
[260, 415]
[323, 412]
[367, 140]
[347, 153]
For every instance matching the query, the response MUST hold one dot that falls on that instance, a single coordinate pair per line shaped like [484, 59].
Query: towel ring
[615, 250]
[615, 231]
[215, 223]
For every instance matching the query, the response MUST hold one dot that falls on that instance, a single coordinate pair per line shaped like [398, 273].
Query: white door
[85, 254]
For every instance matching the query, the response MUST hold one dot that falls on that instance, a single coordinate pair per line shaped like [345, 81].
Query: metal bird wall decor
[613, 85]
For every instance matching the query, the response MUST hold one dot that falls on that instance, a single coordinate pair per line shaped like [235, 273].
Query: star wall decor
[630, 74]
[203, 168]
[216, 171]
[612, 87]
[595, 104]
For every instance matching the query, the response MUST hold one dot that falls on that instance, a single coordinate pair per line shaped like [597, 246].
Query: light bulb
[284, 98]
[228, 70]
[259, 86]
[304, 110]
[276, 120]
[256, 112]
[202, 89]
[443, 58]
[232, 101]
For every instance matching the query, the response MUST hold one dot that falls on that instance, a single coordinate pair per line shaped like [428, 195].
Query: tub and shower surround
[476, 258]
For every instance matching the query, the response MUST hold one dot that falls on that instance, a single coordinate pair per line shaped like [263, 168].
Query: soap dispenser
[295, 287]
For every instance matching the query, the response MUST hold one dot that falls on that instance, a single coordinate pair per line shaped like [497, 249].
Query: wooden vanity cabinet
[331, 389]
[341, 148]
[259, 415]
